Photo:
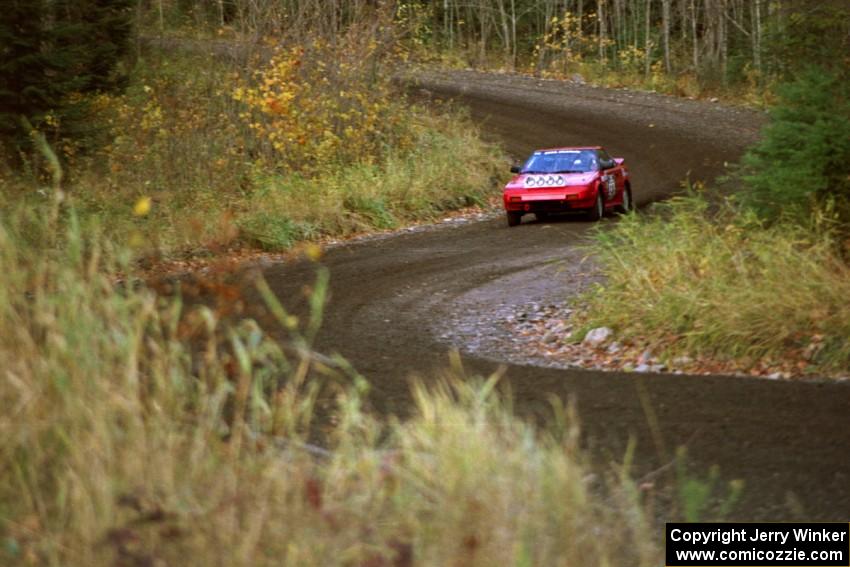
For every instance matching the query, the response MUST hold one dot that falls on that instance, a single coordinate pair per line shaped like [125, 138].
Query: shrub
[803, 158]
[53, 52]
[206, 161]
[318, 106]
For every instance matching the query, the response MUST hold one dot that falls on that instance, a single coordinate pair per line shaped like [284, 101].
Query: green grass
[689, 278]
[137, 431]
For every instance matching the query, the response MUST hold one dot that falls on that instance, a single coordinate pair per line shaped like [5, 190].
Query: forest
[716, 41]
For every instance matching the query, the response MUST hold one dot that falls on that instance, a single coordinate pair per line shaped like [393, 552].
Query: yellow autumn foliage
[318, 104]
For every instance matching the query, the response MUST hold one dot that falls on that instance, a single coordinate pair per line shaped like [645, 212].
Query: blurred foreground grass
[137, 431]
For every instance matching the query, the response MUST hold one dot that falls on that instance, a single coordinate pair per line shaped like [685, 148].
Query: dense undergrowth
[137, 430]
[199, 154]
[759, 278]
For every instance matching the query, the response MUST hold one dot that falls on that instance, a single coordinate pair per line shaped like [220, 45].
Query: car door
[612, 176]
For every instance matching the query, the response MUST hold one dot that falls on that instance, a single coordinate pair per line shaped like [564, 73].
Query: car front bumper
[549, 200]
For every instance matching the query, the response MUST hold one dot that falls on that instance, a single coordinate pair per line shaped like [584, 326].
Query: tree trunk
[666, 25]
[580, 12]
[647, 41]
[756, 35]
[722, 38]
[513, 35]
[694, 37]
[602, 30]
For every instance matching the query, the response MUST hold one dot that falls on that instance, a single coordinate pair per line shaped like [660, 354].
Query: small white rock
[595, 337]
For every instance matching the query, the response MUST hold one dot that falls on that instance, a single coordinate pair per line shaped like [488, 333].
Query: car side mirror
[515, 169]
[608, 164]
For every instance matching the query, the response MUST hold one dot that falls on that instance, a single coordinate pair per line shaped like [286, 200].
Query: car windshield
[561, 161]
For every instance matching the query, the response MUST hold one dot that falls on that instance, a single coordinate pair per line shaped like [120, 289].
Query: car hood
[549, 180]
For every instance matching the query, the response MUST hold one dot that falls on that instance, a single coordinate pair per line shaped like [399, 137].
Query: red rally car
[568, 179]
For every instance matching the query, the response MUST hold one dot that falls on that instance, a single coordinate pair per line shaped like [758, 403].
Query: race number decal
[612, 186]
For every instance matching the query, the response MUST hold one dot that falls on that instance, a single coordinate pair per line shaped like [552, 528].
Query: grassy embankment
[757, 280]
[201, 155]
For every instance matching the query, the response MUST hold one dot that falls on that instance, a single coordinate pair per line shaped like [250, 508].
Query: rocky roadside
[547, 334]
[542, 326]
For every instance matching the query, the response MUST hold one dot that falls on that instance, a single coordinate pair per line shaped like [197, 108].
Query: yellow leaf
[313, 252]
[142, 207]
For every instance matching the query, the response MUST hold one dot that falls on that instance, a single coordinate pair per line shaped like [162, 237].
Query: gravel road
[396, 302]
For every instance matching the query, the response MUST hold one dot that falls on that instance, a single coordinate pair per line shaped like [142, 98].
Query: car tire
[514, 218]
[627, 204]
[542, 216]
[598, 210]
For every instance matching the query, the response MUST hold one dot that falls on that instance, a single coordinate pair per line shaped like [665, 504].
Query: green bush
[803, 158]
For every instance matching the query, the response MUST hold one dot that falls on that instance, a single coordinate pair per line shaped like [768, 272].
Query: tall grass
[137, 431]
[448, 168]
[691, 278]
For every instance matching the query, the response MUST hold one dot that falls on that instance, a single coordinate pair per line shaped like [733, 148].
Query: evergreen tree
[803, 158]
[52, 49]
[24, 90]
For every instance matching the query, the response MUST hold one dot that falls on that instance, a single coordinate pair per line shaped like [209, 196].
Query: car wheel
[627, 204]
[598, 210]
[542, 216]
[514, 218]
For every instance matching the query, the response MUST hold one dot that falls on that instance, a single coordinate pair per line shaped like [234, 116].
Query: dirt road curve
[789, 442]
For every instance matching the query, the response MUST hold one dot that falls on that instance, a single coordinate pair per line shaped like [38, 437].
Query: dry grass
[721, 284]
[137, 431]
[448, 168]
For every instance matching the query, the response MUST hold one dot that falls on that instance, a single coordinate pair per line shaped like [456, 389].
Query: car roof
[568, 148]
